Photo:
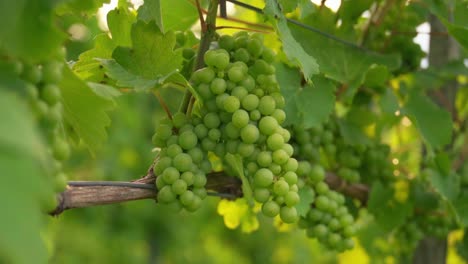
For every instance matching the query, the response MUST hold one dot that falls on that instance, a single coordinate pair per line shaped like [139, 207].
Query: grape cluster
[352, 162]
[40, 83]
[242, 115]
[182, 164]
[328, 219]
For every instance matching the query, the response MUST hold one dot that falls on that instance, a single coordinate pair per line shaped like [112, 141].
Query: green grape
[50, 93]
[267, 105]
[187, 198]
[264, 158]
[182, 162]
[214, 134]
[268, 125]
[231, 104]
[166, 195]
[250, 102]
[204, 75]
[255, 47]
[240, 92]
[226, 42]
[188, 178]
[275, 142]
[188, 140]
[249, 134]
[211, 120]
[170, 175]
[242, 54]
[60, 149]
[281, 187]
[291, 198]
[289, 214]
[271, 209]
[199, 180]
[52, 72]
[261, 195]
[218, 86]
[280, 156]
[179, 119]
[179, 187]
[236, 74]
[290, 177]
[263, 178]
[240, 118]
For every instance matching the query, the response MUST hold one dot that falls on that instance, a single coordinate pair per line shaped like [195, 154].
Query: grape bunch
[182, 165]
[352, 162]
[242, 115]
[328, 218]
[40, 85]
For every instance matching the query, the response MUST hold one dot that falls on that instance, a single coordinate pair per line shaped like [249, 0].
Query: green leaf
[310, 105]
[176, 14]
[340, 62]
[447, 185]
[388, 212]
[235, 161]
[105, 91]
[307, 198]
[461, 207]
[22, 185]
[120, 21]
[433, 122]
[85, 110]
[152, 54]
[88, 67]
[315, 102]
[389, 102]
[293, 50]
[352, 133]
[460, 33]
[28, 29]
[376, 76]
[125, 78]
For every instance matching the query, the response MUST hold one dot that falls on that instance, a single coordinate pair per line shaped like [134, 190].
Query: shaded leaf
[307, 198]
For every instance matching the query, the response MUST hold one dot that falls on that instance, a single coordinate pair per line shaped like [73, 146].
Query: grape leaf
[24, 35]
[105, 91]
[388, 212]
[447, 185]
[310, 105]
[352, 133]
[22, 186]
[88, 67]
[176, 14]
[85, 110]
[120, 21]
[293, 50]
[461, 207]
[307, 198]
[426, 116]
[152, 54]
[340, 62]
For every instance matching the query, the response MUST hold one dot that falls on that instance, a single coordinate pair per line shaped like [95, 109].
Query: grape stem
[163, 104]
[208, 34]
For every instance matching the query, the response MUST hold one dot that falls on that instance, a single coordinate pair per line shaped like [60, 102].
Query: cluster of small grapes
[182, 164]
[40, 82]
[328, 219]
[352, 162]
[407, 237]
[242, 115]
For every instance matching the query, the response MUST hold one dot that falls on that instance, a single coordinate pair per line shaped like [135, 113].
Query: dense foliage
[337, 143]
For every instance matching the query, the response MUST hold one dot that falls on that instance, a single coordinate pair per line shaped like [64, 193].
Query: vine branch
[80, 194]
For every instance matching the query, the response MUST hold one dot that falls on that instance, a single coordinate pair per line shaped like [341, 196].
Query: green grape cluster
[40, 86]
[182, 164]
[406, 238]
[352, 162]
[328, 218]
[242, 115]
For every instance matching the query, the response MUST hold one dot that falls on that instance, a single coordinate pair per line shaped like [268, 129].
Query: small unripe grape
[250, 102]
[291, 165]
[205, 91]
[261, 195]
[267, 105]
[60, 149]
[242, 54]
[226, 42]
[52, 72]
[173, 150]
[201, 131]
[182, 162]
[289, 214]
[240, 118]
[231, 131]
[255, 115]
[188, 177]
[166, 195]
[236, 74]
[188, 140]
[218, 86]
[268, 125]
[268, 55]
[211, 120]
[290, 177]
[231, 104]
[245, 150]
[179, 187]
[255, 47]
[249, 134]
[199, 180]
[279, 115]
[291, 198]
[280, 156]
[321, 188]
[248, 83]
[322, 203]
[275, 168]
[32, 74]
[196, 203]
[187, 198]
[271, 209]
[204, 75]
[264, 159]
[240, 92]
[263, 178]
[275, 142]
[188, 53]
[214, 134]
[281, 188]
[179, 119]
[170, 175]
[50, 93]
[317, 173]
